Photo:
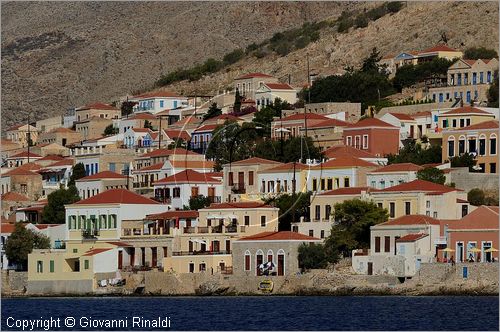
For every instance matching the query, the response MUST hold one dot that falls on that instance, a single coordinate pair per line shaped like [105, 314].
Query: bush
[312, 256]
[394, 6]
[476, 197]
[233, 56]
[480, 53]
[361, 21]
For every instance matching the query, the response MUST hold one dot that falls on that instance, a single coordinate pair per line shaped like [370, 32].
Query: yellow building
[21, 134]
[206, 246]
[480, 139]
[462, 117]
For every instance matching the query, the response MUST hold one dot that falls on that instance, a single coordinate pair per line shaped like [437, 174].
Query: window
[322, 184]
[488, 77]
[482, 145]
[481, 77]
[382, 184]
[349, 140]
[379, 205]
[311, 232]
[392, 209]
[39, 266]
[247, 260]
[328, 211]
[365, 141]
[467, 122]
[322, 234]
[86, 264]
[451, 146]
[230, 178]
[346, 183]
[263, 189]
[357, 142]
[428, 204]
[247, 220]
[465, 210]
[445, 123]
[407, 208]
[373, 184]
[387, 244]
[329, 184]
[161, 103]
[51, 266]
[176, 192]
[250, 178]
[317, 212]
[493, 167]
[315, 185]
[454, 123]
[472, 145]
[493, 144]
[462, 123]
[262, 221]
[377, 243]
[112, 221]
[435, 214]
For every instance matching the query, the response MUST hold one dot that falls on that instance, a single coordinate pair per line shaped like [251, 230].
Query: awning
[198, 241]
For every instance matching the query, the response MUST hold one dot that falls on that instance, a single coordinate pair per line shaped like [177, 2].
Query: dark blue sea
[253, 313]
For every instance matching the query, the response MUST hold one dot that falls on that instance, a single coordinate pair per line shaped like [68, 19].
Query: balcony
[216, 229]
[238, 188]
[203, 230]
[214, 199]
[163, 200]
[189, 230]
[90, 233]
[231, 229]
[192, 253]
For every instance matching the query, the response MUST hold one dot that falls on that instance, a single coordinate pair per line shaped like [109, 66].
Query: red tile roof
[168, 152]
[119, 244]
[142, 130]
[279, 236]
[205, 128]
[492, 124]
[346, 162]
[7, 228]
[14, 197]
[439, 48]
[254, 161]
[20, 171]
[182, 134]
[223, 117]
[238, 205]
[153, 167]
[51, 157]
[187, 120]
[411, 237]
[96, 251]
[98, 106]
[187, 176]
[467, 110]
[484, 217]
[102, 175]
[141, 116]
[422, 114]
[402, 116]
[371, 122]
[62, 130]
[15, 127]
[64, 162]
[278, 86]
[300, 116]
[288, 167]
[420, 185]
[185, 214]
[348, 191]
[30, 166]
[347, 151]
[413, 219]
[116, 196]
[402, 167]
[329, 123]
[158, 94]
[25, 154]
[252, 75]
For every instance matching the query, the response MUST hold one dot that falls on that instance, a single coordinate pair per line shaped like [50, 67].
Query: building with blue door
[158, 101]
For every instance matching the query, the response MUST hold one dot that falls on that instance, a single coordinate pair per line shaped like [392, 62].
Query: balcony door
[241, 180]
[211, 192]
[194, 191]
[215, 246]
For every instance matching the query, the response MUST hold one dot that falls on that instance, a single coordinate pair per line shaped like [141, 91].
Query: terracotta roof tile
[141, 116]
[329, 123]
[168, 152]
[402, 116]
[413, 219]
[300, 116]
[420, 185]
[288, 167]
[205, 164]
[102, 175]
[467, 110]
[484, 217]
[182, 134]
[187, 176]
[371, 122]
[62, 130]
[279, 236]
[278, 86]
[20, 171]
[116, 196]
[254, 161]
[96, 251]
[153, 167]
[64, 162]
[492, 124]
[14, 197]
[205, 128]
[25, 154]
[345, 162]
[174, 214]
[51, 157]
[411, 237]
[439, 48]
[402, 167]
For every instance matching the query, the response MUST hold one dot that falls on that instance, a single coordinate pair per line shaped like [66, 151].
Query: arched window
[248, 259]
[259, 259]
[270, 257]
[451, 146]
[461, 145]
[493, 144]
[281, 262]
[482, 145]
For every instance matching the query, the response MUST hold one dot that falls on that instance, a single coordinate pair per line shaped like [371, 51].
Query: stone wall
[412, 109]
[465, 180]
[14, 282]
[60, 287]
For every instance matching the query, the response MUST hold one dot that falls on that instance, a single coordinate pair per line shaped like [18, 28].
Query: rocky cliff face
[64, 54]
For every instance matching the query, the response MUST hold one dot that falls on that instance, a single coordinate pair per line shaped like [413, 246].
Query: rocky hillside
[60, 55]
[64, 54]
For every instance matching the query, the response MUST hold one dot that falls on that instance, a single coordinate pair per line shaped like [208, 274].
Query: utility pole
[28, 138]
[294, 184]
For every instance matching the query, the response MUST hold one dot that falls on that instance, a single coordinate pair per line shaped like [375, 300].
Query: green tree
[177, 143]
[464, 160]
[292, 207]
[233, 57]
[394, 6]
[432, 174]
[352, 229]
[199, 202]
[409, 75]
[474, 53]
[370, 64]
[361, 21]
[237, 101]
[127, 107]
[110, 130]
[148, 124]
[288, 150]
[54, 211]
[476, 197]
[21, 242]
[413, 152]
[312, 256]
[493, 91]
[212, 112]
[77, 172]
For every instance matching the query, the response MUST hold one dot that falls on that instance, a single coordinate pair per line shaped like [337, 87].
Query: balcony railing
[90, 233]
[231, 229]
[191, 253]
[203, 230]
[163, 200]
[189, 230]
[216, 229]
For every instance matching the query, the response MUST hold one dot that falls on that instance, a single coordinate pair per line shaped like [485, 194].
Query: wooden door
[281, 264]
[259, 261]
[370, 268]
[241, 180]
[194, 191]
[132, 256]
[120, 259]
[154, 257]
[211, 192]
[228, 246]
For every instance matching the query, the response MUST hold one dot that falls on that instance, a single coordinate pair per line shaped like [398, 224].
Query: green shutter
[79, 222]
[52, 266]
[69, 222]
[86, 263]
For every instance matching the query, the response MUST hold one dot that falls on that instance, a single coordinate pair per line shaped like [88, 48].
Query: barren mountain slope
[63, 54]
